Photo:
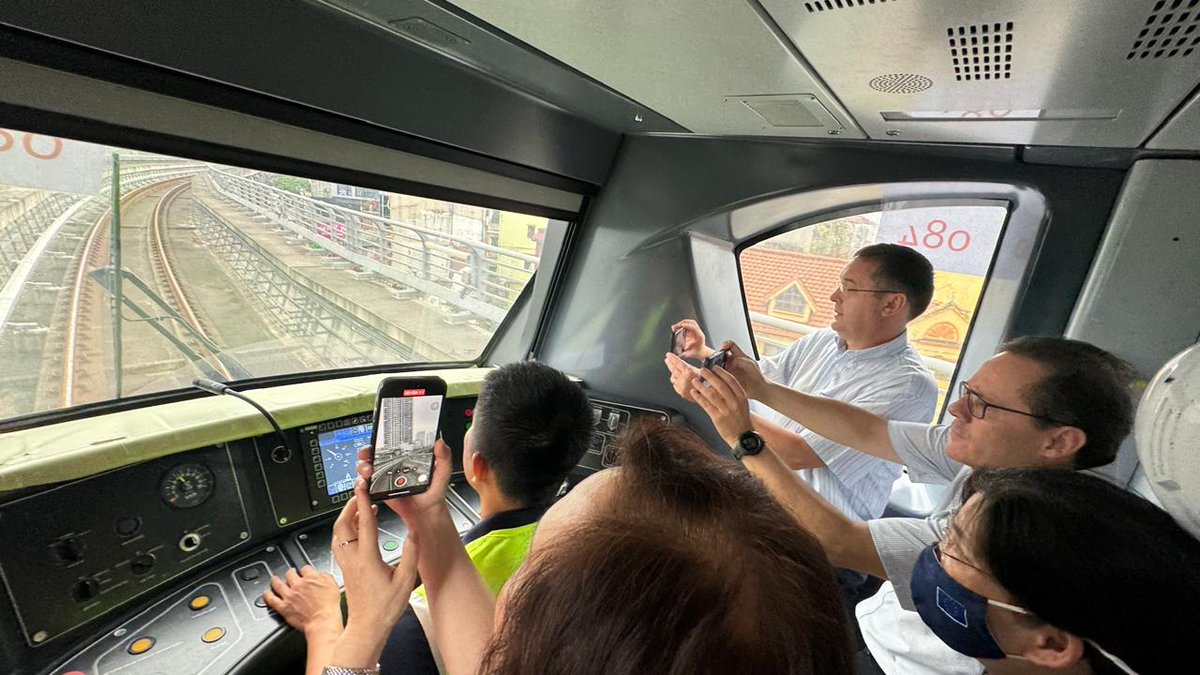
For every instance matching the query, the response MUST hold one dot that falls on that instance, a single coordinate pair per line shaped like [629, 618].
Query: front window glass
[230, 273]
[788, 279]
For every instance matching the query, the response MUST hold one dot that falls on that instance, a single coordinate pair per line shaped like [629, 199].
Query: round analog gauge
[187, 485]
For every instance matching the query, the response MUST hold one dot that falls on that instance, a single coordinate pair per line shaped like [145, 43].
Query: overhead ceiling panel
[713, 66]
[1063, 72]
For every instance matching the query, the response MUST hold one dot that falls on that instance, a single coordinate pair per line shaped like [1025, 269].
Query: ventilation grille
[982, 51]
[901, 83]
[829, 5]
[1172, 29]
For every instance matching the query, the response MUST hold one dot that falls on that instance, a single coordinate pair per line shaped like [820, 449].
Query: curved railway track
[88, 305]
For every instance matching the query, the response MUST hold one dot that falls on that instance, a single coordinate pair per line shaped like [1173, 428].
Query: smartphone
[717, 358]
[677, 342]
[408, 416]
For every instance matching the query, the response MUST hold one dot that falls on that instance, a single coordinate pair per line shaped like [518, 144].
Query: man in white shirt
[863, 358]
[1038, 402]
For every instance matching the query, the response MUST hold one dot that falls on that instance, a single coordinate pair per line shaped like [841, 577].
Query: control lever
[222, 389]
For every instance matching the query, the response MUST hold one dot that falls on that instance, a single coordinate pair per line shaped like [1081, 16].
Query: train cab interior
[294, 200]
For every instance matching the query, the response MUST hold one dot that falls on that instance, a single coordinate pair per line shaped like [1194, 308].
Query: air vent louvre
[829, 5]
[1172, 29]
[982, 51]
[901, 83]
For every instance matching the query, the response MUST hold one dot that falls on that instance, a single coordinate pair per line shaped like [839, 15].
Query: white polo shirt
[894, 633]
[890, 380]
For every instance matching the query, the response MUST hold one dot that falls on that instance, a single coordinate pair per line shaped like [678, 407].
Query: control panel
[94, 544]
[205, 628]
[609, 421]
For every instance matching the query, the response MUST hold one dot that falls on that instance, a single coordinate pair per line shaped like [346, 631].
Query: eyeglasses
[978, 407]
[939, 553]
[842, 287]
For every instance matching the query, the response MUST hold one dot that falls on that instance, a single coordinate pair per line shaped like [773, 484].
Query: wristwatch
[749, 443]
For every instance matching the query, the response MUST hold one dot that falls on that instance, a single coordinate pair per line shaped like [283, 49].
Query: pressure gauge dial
[187, 485]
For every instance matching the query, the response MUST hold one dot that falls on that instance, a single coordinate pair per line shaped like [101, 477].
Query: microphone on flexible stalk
[222, 389]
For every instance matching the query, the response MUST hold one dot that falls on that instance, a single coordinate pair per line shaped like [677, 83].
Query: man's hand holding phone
[745, 370]
[690, 339]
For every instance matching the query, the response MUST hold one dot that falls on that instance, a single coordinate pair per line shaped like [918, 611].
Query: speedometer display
[187, 486]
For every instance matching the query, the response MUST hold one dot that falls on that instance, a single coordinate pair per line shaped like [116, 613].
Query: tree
[300, 186]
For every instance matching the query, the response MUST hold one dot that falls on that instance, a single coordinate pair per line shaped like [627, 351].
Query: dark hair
[532, 425]
[1084, 387]
[904, 269]
[1094, 560]
[692, 569]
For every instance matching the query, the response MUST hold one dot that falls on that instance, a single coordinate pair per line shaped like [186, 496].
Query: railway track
[83, 378]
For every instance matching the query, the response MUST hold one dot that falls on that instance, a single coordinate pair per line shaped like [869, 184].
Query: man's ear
[896, 304]
[1064, 443]
[1054, 648]
[479, 469]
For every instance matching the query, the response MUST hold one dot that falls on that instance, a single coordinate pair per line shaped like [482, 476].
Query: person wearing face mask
[676, 561]
[1044, 570]
[1040, 401]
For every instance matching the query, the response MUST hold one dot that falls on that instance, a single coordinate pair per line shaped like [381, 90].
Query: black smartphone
[717, 358]
[408, 416]
[677, 342]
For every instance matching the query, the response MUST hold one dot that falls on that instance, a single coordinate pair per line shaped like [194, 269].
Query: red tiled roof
[766, 272]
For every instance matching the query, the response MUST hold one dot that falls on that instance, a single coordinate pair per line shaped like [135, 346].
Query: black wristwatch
[749, 443]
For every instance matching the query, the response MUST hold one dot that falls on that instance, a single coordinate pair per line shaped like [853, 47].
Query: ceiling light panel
[1086, 67]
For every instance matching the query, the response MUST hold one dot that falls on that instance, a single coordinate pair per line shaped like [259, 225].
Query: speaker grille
[1172, 29]
[982, 51]
[901, 83]
[830, 5]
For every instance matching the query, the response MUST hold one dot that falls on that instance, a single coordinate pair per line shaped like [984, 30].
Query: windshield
[230, 273]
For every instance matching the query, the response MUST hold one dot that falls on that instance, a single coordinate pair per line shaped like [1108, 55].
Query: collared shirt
[894, 633]
[497, 546]
[890, 380]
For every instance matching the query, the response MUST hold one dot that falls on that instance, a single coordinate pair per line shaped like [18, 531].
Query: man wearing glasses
[1040, 401]
[863, 358]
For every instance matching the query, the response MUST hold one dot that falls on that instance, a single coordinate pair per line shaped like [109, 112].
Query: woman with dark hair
[1057, 571]
[677, 561]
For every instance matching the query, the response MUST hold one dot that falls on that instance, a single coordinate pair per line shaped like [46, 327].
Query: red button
[470, 412]
[400, 481]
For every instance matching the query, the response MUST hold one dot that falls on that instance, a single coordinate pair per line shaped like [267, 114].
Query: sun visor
[1168, 437]
[78, 448]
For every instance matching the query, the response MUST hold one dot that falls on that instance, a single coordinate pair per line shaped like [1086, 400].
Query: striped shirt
[890, 380]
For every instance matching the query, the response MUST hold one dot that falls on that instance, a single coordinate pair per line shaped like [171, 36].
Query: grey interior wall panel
[632, 274]
[1140, 300]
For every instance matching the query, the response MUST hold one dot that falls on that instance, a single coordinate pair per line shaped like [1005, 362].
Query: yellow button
[213, 634]
[199, 602]
[141, 645]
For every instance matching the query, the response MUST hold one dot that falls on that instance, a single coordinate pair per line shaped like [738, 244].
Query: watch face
[750, 443]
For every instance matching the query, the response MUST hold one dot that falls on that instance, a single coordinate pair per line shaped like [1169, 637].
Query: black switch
[250, 573]
[68, 551]
[142, 563]
[85, 590]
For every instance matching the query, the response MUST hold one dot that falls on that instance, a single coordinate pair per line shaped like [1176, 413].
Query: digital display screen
[339, 455]
[408, 428]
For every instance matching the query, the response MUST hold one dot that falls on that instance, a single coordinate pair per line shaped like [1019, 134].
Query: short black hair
[903, 269]
[1084, 387]
[1094, 560]
[532, 425]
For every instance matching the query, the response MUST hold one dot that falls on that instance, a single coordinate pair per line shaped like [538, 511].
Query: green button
[391, 545]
